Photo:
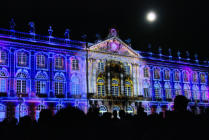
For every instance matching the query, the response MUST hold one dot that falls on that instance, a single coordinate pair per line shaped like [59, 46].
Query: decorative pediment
[114, 45]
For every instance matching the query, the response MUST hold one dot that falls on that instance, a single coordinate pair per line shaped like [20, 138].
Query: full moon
[151, 16]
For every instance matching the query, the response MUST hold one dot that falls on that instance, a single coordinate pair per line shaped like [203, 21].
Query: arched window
[176, 75]
[21, 111]
[59, 83]
[168, 91]
[3, 57]
[101, 66]
[58, 108]
[202, 77]
[117, 108]
[187, 92]
[129, 110]
[128, 89]
[157, 91]
[166, 74]
[146, 72]
[156, 73]
[75, 85]
[196, 95]
[3, 81]
[22, 58]
[41, 61]
[115, 89]
[194, 77]
[177, 88]
[186, 76]
[102, 109]
[22, 78]
[204, 92]
[75, 64]
[38, 110]
[146, 89]
[147, 109]
[59, 63]
[41, 83]
[2, 112]
[100, 87]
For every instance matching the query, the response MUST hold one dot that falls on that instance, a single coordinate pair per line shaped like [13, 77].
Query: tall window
[146, 89]
[21, 82]
[59, 62]
[101, 66]
[157, 91]
[3, 81]
[204, 92]
[2, 112]
[166, 75]
[41, 83]
[21, 111]
[194, 77]
[177, 88]
[176, 75]
[187, 92]
[75, 64]
[22, 59]
[195, 90]
[41, 61]
[59, 84]
[127, 69]
[168, 91]
[75, 88]
[156, 73]
[38, 110]
[3, 57]
[146, 72]
[128, 88]
[202, 78]
[186, 76]
[115, 90]
[100, 87]
[102, 109]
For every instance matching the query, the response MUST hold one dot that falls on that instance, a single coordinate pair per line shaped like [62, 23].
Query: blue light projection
[48, 72]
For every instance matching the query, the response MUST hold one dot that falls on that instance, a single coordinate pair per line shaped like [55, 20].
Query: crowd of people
[72, 123]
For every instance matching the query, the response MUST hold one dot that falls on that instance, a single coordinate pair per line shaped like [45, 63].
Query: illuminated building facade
[38, 72]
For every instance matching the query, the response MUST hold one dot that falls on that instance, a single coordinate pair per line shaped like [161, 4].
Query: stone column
[94, 69]
[122, 84]
[68, 76]
[32, 75]
[51, 74]
[12, 72]
[108, 78]
[90, 67]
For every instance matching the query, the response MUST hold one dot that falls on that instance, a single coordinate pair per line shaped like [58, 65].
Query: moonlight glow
[151, 16]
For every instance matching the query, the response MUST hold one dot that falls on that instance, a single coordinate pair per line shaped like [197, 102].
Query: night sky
[181, 25]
